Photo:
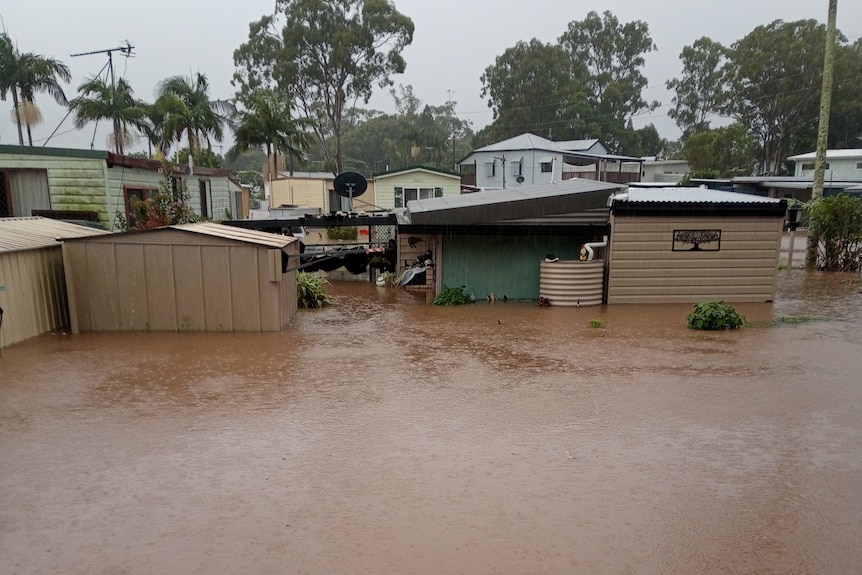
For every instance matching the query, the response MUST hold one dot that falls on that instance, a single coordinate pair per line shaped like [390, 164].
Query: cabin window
[438, 192]
[418, 194]
[516, 168]
[399, 197]
[809, 166]
[489, 169]
[133, 195]
[5, 200]
[206, 198]
[546, 167]
[859, 165]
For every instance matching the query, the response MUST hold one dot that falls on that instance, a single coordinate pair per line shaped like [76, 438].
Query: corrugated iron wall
[645, 266]
[32, 294]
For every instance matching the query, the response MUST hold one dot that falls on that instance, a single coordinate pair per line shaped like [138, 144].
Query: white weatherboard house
[840, 164]
[394, 189]
[530, 160]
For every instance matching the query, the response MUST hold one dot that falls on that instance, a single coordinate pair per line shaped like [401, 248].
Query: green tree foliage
[328, 54]
[774, 85]
[416, 135]
[727, 151]
[183, 108]
[701, 91]
[22, 75]
[98, 101]
[530, 88]
[266, 121]
[587, 85]
[607, 57]
[836, 222]
[204, 158]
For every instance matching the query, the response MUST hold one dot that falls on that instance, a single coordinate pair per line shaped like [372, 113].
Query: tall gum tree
[701, 90]
[329, 55]
[607, 57]
[775, 85]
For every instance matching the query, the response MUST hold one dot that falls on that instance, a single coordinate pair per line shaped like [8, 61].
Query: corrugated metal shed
[190, 277]
[35, 232]
[491, 206]
[683, 245]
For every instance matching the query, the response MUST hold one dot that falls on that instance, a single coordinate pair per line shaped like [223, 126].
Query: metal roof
[577, 145]
[306, 176]
[678, 195]
[237, 234]
[522, 142]
[18, 234]
[491, 206]
[830, 155]
[433, 171]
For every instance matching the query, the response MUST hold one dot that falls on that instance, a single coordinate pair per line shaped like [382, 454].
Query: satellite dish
[350, 184]
[520, 179]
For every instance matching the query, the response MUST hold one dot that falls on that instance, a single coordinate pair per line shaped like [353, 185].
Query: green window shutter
[438, 192]
[399, 197]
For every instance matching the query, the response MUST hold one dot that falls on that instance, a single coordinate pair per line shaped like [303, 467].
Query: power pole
[127, 52]
[823, 126]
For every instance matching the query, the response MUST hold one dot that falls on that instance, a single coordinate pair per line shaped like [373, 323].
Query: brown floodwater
[386, 436]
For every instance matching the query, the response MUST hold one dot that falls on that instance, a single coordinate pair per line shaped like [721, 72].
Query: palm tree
[23, 75]
[101, 101]
[185, 109]
[266, 122]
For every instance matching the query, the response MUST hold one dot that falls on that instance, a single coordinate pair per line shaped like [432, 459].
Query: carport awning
[491, 206]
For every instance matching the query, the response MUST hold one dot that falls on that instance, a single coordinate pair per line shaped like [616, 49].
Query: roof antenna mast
[127, 52]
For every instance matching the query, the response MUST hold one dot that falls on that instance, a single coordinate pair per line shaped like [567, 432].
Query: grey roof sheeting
[492, 206]
[237, 234]
[218, 231]
[32, 233]
[694, 202]
[691, 195]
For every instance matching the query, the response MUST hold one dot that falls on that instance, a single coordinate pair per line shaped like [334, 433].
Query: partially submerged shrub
[714, 315]
[311, 291]
[451, 296]
[835, 231]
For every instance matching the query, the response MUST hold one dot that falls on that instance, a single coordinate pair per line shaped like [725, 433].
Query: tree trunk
[17, 109]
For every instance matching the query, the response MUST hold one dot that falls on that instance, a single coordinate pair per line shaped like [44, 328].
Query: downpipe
[589, 249]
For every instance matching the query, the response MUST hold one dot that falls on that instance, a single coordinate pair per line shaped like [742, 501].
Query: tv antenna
[127, 52]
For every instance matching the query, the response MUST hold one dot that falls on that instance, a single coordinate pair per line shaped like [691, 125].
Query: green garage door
[505, 265]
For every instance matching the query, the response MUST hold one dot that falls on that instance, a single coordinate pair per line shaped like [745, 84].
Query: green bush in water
[714, 315]
[451, 296]
[311, 291]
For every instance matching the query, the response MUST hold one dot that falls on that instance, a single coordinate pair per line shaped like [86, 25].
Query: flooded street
[386, 436]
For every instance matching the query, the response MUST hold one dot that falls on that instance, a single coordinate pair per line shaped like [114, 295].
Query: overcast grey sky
[454, 41]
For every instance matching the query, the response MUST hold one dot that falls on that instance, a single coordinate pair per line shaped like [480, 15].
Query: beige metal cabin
[32, 283]
[685, 245]
[190, 277]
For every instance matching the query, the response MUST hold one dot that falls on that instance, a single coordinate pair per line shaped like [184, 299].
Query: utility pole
[452, 127]
[823, 125]
[127, 52]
